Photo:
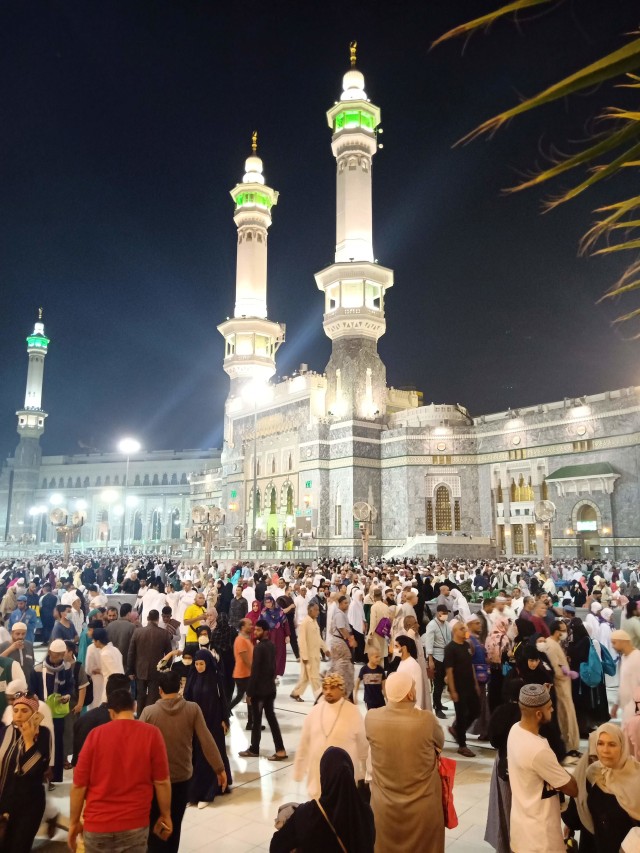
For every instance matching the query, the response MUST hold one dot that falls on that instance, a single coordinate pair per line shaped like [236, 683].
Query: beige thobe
[311, 644]
[406, 792]
[566, 710]
[379, 611]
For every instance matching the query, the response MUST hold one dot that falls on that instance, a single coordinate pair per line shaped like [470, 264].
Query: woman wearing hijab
[608, 801]
[278, 631]
[205, 688]
[498, 645]
[253, 615]
[337, 822]
[225, 594]
[183, 666]
[358, 624]
[25, 748]
[222, 639]
[591, 703]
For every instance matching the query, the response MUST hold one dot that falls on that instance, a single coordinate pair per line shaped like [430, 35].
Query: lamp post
[59, 517]
[206, 523]
[128, 446]
[545, 513]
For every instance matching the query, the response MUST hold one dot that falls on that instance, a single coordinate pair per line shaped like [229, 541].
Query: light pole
[59, 517]
[206, 521]
[128, 446]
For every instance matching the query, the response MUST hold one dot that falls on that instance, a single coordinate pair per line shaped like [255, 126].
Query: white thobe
[629, 680]
[93, 668]
[339, 724]
[110, 663]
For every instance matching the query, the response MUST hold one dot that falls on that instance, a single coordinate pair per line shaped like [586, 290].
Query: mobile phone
[37, 718]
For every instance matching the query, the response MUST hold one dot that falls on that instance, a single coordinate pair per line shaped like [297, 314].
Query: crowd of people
[156, 677]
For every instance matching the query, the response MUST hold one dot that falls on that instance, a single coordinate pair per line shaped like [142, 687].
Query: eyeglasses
[21, 694]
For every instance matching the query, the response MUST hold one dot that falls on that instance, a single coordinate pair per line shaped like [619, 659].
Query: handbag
[383, 628]
[58, 708]
[447, 771]
[326, 817]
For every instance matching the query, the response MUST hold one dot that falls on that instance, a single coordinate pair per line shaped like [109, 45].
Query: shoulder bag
[326, 817]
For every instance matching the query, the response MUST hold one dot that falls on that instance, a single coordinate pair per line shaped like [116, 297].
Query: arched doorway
[587, 530]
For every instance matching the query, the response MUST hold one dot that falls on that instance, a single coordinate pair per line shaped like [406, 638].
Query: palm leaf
[612, 141]
[619, 247]
[489, 18]
[618, 291]
[621, 61]
[629, 316]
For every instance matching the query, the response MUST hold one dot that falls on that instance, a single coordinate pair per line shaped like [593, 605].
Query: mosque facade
[319, 464]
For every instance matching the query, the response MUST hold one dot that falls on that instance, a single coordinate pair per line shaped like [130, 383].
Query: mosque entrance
[587, 530]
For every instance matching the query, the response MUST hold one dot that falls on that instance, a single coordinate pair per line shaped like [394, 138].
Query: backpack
[591, 670]
[608, 664]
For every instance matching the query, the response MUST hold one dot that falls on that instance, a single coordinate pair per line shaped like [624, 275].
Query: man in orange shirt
[243, 654]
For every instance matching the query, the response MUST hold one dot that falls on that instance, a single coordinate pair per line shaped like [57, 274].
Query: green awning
[573, 472]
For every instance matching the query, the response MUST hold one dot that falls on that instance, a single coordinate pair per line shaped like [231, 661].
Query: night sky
[123, 126]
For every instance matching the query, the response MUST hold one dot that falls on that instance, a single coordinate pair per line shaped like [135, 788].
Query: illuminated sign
[308, 484]
[583, 526]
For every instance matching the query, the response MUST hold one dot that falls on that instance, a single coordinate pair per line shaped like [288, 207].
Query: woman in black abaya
[205, 688]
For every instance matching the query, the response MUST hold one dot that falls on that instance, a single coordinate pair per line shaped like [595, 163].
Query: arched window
[85, 482]
[52, 483]
[156, 525]
[61, 483]
[517, 535]
[443, 510]
[272, 508]
[499, 497]
[137, 526]
[512, 490]
[116, 480]
[165, 480]
[98, 481]
[107, 480]
[529, 490]
[258, 501]
[78, 483]
[183, 480]
[290, 500]
[155, 482]
[257, 467]
[174, 479]
[290, 463]
[544, 490]
[273, 464]
[145, 482]
[175, 524]
[136, 482]
[43, 528]
[44, 483]
[69, 482]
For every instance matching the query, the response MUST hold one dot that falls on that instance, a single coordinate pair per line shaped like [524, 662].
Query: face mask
[203, 640]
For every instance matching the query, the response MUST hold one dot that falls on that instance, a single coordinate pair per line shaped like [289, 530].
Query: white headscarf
[355, 614]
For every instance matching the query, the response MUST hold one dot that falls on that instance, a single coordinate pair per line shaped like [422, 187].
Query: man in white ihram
[536, 778]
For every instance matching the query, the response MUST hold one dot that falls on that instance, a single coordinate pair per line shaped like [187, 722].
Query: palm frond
[613, 140]
[621, 61]
[619, 247]
[599, 173]
[625, 317]
[618, 291]
[489, 18]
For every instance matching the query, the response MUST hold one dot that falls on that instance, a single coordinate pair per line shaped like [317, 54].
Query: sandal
[296, 698]
[276, 757]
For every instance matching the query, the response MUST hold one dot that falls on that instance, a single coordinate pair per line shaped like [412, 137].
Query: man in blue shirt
[22, 613]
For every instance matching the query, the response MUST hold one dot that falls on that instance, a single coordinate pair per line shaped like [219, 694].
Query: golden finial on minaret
[254, 141]
[353, 45]
[39, 313]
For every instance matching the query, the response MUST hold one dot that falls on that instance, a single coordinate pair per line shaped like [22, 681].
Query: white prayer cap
[472, 618]
[398, 685]
[596, 607]
[18, 685]
[20, 625]
[607, 613]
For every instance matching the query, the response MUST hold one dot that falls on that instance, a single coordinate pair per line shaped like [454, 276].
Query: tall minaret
[251, 340]
[31, 418]
[355, 285]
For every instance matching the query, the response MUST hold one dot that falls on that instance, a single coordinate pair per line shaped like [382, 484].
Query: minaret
[355, 285]
[31, 418]
[251, 340]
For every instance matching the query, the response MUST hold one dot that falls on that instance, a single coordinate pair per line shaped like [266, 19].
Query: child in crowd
[373, 677]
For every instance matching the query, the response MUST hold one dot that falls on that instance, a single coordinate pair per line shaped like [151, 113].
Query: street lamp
[206, 523]
[66, 525]
[128, 446]
[545, 513]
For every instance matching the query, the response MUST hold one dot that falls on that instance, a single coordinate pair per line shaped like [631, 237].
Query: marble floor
[244, 820]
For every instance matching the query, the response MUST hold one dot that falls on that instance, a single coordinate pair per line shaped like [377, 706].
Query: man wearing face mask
[533, 768]
[436, 638]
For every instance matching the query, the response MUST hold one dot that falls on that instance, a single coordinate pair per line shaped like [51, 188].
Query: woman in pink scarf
[498, 646]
